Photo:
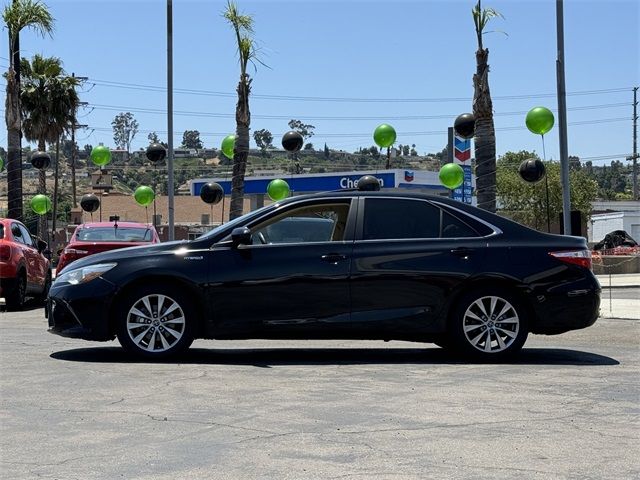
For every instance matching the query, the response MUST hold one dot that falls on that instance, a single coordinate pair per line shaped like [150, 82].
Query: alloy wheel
[491, 324]
[155, 323]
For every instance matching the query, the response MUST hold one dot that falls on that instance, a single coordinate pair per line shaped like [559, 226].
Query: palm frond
[30, 14]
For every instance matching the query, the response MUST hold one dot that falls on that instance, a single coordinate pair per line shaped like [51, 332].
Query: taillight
[5, 253]
[581, 258]
[73, 251]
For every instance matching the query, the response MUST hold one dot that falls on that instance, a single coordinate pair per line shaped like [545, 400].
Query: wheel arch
[513, 286]
[165, 280]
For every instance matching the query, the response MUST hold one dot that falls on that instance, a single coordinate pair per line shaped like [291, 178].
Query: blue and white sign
[323, 182]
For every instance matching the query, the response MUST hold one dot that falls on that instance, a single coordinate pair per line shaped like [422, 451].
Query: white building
[609, 216]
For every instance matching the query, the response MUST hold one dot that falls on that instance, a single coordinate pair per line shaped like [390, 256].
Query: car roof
[111, 224]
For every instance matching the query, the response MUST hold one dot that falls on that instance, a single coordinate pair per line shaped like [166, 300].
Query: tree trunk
[241, 148]
[14, 153]
[485, 137]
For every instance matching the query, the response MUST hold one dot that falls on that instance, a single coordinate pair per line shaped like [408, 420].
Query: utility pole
[170, 115]
[73, 144]
[562, 123]
[634, 157]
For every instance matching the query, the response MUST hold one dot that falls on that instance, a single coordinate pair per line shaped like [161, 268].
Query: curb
[613, 287]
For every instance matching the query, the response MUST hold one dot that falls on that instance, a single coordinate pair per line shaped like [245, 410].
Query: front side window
[314, 223]
[26, 236]
[396, 218]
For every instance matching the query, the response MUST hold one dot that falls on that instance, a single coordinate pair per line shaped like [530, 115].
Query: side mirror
[241, 236]
[42, 246]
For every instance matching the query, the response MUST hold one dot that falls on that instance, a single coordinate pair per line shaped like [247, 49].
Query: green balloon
[384, 135]
[228, 144]
[451, 175]
[41, 204]
[101, 155]
[278, 189]
[539, 120]
[144, 196]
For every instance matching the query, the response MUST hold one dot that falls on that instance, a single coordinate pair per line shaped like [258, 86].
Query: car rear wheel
[489, 324]
[16, 295]
[154, 322]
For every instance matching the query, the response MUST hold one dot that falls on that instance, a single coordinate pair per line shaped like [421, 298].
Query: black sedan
[338, 265]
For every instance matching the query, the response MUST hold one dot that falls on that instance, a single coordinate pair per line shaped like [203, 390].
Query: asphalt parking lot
[70, 409]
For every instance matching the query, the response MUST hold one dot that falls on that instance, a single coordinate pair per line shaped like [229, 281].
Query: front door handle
[461, 252]
[333, 257]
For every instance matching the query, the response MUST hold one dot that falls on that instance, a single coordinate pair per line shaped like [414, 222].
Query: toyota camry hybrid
[337, 265]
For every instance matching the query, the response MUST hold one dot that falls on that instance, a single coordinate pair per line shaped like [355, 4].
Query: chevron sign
[462, 150]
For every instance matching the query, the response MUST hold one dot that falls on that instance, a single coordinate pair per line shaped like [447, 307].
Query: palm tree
[49, 102]
[243, 28]
[485, 134]
[18, 15]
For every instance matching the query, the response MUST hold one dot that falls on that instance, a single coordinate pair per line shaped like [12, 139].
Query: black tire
[166, 330]
[489, 323]
[41, 299]
[16, 295]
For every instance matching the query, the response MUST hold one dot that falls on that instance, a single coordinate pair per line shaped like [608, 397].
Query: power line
[404, 134]
[156, 88]
[160, 111]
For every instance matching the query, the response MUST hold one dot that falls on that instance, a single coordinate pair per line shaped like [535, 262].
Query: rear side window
[390, 218]
[1, 230]
[454, 228]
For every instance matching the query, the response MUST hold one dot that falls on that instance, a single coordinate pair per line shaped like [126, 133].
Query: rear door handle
[333, 257]
[461, 252]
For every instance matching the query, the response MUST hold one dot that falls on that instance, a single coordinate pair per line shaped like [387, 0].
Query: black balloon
[368, 183]
[211, 193]
[40, 160]
[532, 170]
[90, 203]
[292, 141]
[156, 152]
[465, 125]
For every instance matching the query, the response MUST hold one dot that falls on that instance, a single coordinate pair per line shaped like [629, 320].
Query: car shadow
[268, 357]
[29, 305]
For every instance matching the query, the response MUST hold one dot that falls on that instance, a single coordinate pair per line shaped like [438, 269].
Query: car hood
[125, 253]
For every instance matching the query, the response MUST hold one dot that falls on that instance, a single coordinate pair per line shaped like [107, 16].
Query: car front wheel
[489, 324]
[156, 323]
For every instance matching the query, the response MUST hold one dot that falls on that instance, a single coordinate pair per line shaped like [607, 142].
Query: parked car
[95, 237]
[392, 266]
[24, 269]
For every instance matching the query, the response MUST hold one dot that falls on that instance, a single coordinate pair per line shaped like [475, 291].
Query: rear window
[111, 234]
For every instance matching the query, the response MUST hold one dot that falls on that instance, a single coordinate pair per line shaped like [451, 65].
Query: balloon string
[544, 154]
[146, 212]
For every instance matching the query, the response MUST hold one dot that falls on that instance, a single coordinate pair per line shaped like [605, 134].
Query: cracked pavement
[568, 408]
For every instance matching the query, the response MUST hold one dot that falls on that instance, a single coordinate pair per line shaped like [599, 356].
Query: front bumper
[81, 311]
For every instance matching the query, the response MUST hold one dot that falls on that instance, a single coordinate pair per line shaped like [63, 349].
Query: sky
[347, 66]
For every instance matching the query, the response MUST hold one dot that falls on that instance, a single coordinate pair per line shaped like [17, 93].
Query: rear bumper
[568, 306]
[81, 311]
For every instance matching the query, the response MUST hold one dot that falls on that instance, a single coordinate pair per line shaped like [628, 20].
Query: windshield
[113, 234]
[237, 221]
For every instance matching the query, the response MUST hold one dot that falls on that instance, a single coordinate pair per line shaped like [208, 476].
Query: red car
[96, 237]
[24, 270]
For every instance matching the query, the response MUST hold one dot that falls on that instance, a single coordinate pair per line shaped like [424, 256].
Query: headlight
[84, 274]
